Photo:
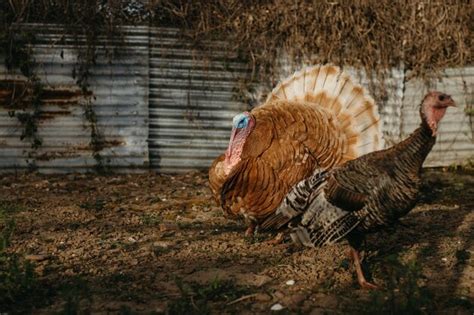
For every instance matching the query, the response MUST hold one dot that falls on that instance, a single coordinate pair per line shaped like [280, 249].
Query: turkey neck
[412, 152]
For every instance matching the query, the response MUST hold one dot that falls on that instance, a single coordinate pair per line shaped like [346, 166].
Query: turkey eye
[242, 123]
[441, 97]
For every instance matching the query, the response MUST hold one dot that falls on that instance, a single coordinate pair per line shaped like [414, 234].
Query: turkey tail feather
[296, 201]
[317, 236]
[330, 88]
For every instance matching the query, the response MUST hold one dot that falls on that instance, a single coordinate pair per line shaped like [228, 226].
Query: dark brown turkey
[365, 194]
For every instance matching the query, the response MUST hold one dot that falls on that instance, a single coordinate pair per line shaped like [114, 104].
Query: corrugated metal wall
[119, 98]
[159, 104]
[192, 101]
[455, 140]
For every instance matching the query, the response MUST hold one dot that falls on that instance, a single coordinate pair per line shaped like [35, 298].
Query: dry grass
[426, 36]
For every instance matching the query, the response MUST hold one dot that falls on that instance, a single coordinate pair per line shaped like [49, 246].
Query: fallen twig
[242, 298]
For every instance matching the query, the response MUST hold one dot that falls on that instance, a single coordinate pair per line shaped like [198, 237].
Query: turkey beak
[448, 101]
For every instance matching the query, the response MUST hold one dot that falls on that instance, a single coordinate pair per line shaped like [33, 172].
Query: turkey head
[242, 126]
[433, 108]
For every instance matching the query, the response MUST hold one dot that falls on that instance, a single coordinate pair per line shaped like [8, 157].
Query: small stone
[162, 244]
[290, 282]
[293, 300]
[168, 227]
[262, 297]
[279, 295]
[444, 259]
[253, 279]
[276, 307]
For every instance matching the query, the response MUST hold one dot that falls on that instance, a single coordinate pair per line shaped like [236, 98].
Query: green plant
[462, 256]
[9, 207]
[19, 286]
[255, 238]
[7, 222]
[18, 281]
[151, 219]
[467, 166]
[76, 295]
[97, 205]
[402, 292]
[195, 298]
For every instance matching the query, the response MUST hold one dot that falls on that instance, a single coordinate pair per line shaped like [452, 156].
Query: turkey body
[290, 141]
[316, 119]
[375, 190]
[363, 195]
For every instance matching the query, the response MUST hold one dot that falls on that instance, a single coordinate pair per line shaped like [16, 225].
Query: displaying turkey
[365, 194]
[317, 118]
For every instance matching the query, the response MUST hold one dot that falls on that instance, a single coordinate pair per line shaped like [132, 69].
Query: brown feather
[304, 124]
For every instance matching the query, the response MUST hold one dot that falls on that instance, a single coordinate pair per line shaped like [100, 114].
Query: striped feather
[318, 118]
[329, 87]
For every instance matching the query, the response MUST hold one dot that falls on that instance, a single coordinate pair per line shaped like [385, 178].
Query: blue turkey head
[241, 120]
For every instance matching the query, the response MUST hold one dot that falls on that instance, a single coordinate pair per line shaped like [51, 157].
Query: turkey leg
[360, 275]
[278, 239]
[250, 230]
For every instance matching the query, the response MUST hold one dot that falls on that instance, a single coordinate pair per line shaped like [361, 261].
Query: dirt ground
[158, 244]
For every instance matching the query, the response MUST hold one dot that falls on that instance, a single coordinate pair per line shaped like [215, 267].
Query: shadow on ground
[156, 243]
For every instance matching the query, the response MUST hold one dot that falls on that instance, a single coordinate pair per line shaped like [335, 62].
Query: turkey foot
[278, 239]
[360, 274]
[250, 230]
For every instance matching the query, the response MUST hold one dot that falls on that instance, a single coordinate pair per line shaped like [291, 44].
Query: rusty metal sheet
[119, 96]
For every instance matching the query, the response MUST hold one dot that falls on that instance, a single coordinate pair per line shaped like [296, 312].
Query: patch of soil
[158, 243]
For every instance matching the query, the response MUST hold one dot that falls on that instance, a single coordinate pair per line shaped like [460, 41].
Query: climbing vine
[26, 106]
[81, 73]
